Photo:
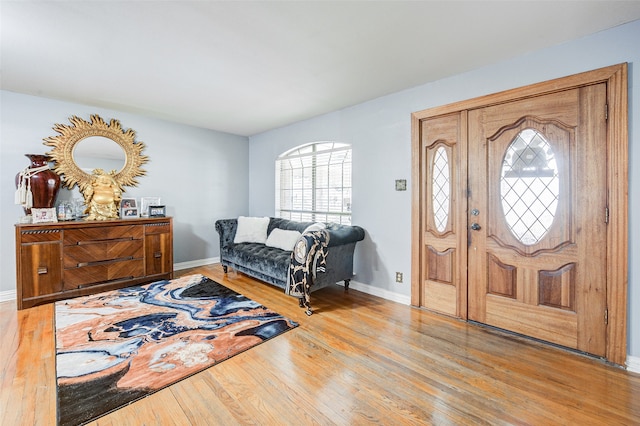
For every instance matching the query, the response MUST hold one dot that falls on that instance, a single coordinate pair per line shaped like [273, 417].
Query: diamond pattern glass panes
[529, 186]
[441, 188]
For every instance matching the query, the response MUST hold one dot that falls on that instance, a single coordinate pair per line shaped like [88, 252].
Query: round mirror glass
[99, 152]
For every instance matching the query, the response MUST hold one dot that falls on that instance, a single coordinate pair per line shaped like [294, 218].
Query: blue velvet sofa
[271, 264]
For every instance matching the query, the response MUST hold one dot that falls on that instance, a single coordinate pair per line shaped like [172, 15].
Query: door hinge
[606, 316]
[606, 111]
[606, 215]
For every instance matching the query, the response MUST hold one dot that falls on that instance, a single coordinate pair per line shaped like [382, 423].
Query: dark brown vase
[44, 185]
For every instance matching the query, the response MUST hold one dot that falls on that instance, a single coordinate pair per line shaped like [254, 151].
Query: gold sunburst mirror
[102, 188]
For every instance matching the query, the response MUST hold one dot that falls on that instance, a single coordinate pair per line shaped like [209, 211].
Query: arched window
[313, 183]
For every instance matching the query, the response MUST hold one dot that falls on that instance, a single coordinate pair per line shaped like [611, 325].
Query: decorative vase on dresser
[43, 182]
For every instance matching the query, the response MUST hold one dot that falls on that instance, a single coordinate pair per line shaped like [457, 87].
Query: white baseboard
[380, 292]
[7, 296]
[195, 263]
[633, 364]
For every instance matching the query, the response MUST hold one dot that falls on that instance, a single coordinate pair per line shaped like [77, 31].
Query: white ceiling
[248, 66]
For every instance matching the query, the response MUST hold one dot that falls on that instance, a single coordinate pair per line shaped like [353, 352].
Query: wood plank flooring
[357, 360]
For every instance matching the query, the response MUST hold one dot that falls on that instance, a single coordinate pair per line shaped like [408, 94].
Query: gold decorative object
[102, 190]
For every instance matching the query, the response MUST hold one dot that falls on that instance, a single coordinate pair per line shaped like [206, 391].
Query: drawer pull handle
[105, 240]
[157, 254]
[104, 262]
[42, 270]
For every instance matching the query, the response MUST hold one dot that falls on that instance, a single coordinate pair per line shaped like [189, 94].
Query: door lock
[475, 226]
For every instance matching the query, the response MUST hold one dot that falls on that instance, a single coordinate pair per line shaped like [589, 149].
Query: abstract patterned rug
[116, 347]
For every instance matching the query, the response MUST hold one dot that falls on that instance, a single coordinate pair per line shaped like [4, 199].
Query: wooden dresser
[68, 259]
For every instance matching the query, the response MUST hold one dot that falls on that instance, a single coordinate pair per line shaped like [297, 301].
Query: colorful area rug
[116, 347]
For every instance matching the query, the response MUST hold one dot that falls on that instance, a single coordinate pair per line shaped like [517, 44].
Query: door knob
[475, 226]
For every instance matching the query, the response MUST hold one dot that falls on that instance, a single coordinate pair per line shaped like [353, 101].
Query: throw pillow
[315, 227]
[283, 239]
[251, 230]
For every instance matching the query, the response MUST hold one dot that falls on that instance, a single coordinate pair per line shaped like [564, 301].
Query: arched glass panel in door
[441, 189]
[529, 186]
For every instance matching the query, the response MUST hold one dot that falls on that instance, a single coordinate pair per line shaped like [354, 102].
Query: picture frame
[129, 213]
[157, 211]
[145, 202]
[43, 215]
[128, 203]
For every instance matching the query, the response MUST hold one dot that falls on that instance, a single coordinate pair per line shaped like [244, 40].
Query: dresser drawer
[88, 253]
[87, 235]
[40, 236]
[157, 228]
[98, 273]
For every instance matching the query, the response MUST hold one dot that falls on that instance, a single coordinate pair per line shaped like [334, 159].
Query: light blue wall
[380, 132]
[201, 175]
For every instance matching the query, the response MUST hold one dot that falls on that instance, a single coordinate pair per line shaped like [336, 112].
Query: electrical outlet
[398, 277]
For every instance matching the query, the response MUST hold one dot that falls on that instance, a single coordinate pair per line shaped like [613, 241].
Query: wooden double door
[512, 210]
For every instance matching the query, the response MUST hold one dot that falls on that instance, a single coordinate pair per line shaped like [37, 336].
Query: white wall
[201, 175]
[380, 132]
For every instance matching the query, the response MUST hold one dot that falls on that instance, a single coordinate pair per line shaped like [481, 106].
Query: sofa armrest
[227, 230]
[344, 234]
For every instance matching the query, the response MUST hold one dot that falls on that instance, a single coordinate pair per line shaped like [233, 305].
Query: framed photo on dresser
[157, 211]
[129, 208]
[129, 213]
[128, 203]
[145, 202]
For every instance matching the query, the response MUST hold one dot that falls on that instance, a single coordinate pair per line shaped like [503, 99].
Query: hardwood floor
[358, 359]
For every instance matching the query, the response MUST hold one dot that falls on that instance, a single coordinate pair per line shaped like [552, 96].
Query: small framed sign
[157, 211]
[43, 215]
